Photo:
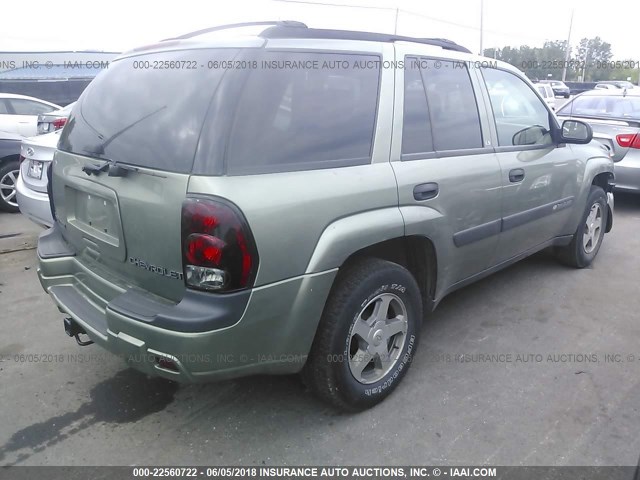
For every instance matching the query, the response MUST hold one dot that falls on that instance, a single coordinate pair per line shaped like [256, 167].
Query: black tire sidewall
[597, 195]
[400, 283]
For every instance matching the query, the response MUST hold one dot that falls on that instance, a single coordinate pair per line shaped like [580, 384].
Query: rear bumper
[627, 172]
[271, 332]
[34, 205]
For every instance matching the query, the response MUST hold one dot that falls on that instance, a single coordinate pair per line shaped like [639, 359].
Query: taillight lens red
[218, 252]
[58, 123]
[630, 140]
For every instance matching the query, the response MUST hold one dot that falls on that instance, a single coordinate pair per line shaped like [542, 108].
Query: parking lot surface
[536, 365]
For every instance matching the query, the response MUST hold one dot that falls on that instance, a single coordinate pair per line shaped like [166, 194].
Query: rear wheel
[587, 240]
[8, 182]
[367, 335]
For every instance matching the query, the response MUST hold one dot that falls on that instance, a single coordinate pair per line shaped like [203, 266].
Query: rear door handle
[516, 175]
[425, 191]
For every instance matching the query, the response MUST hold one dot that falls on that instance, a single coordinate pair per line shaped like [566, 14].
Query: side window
[453, 110]
[29, 107]
[521, 117]
[543, 91]
[294, 118]
[4, 107]
[416, 127]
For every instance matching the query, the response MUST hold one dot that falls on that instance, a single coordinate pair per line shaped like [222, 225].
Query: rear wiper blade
[111, 166]
[96, 169]
[116, 169]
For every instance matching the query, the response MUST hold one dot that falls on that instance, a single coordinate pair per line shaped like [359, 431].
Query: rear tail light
[218, 251]
[58, 123]
[628, 140]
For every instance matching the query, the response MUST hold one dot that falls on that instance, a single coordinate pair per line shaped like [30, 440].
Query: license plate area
[92, 217]
[96, 215]
[35, 169]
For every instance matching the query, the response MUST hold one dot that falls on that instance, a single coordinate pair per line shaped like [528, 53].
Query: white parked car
[547, 94]
[19, 113]
[33, 199]
[605, 86]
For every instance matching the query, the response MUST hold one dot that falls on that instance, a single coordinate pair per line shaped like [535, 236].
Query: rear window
[147, 110]
[277, 111]
[305, 110]
[604, 106]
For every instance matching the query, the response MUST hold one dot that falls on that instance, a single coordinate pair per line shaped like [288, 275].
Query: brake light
[218, 252]
[636, 142]
[58, 123]
[630, 140]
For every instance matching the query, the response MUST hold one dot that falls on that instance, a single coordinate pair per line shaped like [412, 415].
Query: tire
[567, 95]
[344, 368]
[9, 172]
[580, 253]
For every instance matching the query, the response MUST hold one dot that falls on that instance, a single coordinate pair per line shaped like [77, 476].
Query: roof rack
[293, 29]
[287, 32]
[272, 23]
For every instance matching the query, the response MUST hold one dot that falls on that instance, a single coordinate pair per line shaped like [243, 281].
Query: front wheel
[587, 240]
[367, 336]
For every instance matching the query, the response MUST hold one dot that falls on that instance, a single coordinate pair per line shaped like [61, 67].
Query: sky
[119, 25]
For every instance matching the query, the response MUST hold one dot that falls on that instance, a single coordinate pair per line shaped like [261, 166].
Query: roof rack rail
[278, 32]
[273, 23]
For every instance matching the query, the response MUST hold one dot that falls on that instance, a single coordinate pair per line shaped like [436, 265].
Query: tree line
[591, 61]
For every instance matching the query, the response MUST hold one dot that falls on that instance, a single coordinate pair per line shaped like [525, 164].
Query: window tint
[292, 118]
[140, 115]
[3, 107]
[517, 109]
[604, 106]
[29, 107]
[455, 121]
[416, 128]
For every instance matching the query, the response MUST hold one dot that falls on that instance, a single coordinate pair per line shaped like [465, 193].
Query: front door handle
[425, 191]
[516, 175]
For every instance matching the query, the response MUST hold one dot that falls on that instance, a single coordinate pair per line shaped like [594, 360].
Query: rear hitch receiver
[74, 330]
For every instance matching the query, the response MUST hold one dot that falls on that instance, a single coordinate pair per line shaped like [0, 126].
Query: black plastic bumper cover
[196, 312]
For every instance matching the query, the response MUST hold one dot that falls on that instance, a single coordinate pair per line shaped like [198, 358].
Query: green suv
[299, 199]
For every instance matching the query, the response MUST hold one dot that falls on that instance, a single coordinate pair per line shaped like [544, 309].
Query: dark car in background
[614, 116]
[559, 88]
[9, 170]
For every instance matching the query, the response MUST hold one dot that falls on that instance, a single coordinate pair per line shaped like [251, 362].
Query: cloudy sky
[119, 25]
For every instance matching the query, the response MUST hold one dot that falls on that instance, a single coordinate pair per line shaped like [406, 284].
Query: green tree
[590, 55]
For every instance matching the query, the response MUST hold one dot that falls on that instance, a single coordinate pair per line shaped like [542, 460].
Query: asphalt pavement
[536, 365]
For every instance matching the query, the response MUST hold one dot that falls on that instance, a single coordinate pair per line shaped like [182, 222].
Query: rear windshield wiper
[115, 169]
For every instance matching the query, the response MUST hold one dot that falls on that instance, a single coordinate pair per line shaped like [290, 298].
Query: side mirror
[533, 135]
[575, 131]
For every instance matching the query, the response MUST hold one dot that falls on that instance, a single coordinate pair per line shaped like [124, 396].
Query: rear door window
[455, 121]
[305, 110]
[416, 127]
[147, 110]
[29, 107]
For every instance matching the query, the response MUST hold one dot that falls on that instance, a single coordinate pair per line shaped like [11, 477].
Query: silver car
[32, 183]
[614, 116]
[52, 121]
